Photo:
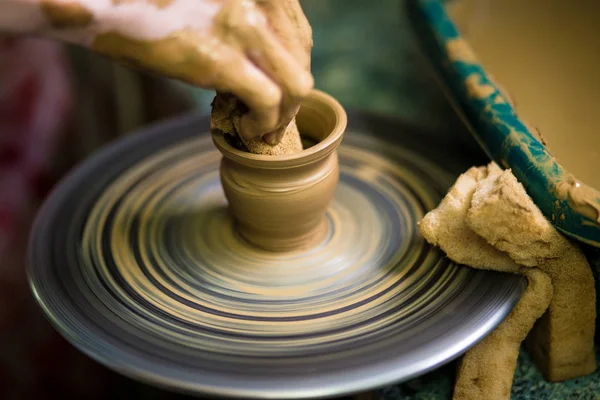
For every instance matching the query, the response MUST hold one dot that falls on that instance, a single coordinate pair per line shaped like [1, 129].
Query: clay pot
[279, 202]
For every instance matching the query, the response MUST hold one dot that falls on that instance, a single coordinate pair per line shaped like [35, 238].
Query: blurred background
[58, 104]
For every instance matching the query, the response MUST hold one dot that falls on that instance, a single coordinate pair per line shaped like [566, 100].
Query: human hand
[258, 50]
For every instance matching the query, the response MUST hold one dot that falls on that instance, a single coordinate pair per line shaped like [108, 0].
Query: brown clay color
[279, 202]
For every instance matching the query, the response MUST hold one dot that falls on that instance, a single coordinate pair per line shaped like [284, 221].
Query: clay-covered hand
[258, 50]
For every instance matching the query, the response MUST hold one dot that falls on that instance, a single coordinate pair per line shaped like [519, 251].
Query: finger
[288, 110]
[257, 91]
[287, 113]
[274, 138]
[269, 53]
[288, 24]
[288, 21]
[282, 67]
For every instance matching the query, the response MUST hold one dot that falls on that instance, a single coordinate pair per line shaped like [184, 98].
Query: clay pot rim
[307, 156]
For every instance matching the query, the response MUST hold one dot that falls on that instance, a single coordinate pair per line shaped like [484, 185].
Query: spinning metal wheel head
[136, 260]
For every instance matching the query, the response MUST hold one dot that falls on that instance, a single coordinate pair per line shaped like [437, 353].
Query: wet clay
[545, 53]
[279, 201]
[287, 20]
[487, 221]
[225, 120]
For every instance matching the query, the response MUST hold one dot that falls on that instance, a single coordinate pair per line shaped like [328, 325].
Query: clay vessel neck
[280, 202]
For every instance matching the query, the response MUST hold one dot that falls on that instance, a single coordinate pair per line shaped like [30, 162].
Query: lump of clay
[225, 119]
[488, 221]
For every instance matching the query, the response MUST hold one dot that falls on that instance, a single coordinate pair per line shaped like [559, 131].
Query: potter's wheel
[135, 260]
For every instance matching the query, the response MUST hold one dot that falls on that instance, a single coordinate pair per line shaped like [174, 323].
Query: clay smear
[487, 221]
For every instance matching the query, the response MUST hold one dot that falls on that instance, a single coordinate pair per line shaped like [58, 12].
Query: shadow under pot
[279, 202]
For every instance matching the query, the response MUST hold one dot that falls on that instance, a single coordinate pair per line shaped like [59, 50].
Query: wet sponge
[225, 118]
[488, 221]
